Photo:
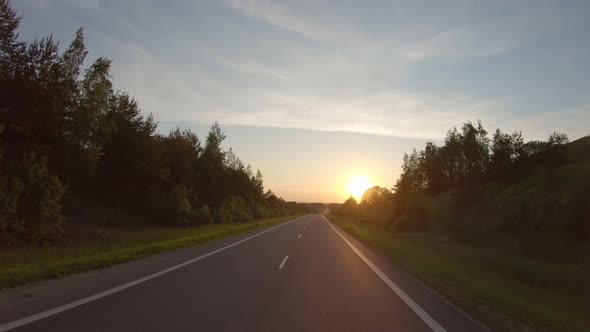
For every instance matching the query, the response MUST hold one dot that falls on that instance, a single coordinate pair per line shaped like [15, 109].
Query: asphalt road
[301, 275]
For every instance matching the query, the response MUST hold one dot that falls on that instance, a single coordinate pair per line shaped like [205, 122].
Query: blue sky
[313, 92]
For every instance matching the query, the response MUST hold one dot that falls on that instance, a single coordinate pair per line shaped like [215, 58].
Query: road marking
[433, 324]
[283, 262]
[299, 236]
[91, 298]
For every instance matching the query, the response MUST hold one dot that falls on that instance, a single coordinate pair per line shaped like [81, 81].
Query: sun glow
[357, 185]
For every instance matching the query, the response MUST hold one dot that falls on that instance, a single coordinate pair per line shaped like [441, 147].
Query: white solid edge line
[433, 324]
[283, 262]
[71, 305]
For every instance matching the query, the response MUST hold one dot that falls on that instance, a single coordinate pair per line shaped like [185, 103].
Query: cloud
[351, 67]
[416, 30]
[85, 4]
[402, 114]
[263, 80]
[573, 121]
[305, 23]
[460, 43]
[181, 94]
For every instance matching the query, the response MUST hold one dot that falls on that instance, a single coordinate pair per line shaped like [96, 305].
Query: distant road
[302, 275]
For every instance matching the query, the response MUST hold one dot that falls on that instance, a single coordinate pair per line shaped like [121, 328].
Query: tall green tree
[213, 159]
[131, 170]
[10, 46]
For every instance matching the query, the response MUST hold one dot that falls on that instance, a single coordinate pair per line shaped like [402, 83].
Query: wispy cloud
[83, 4]
[373, 67]
[416, 30]
[297, 20]
[460, 43]
[402, 114]
[86, 4]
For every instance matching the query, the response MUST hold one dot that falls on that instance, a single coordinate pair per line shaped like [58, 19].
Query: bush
[577, 224]
[10, 223]
[238, 209]
[31, 203]
[415, 218]
[349, 207]
[202, 216]
[180, 206]
[222, 216]
[466, 196]
[260, 211]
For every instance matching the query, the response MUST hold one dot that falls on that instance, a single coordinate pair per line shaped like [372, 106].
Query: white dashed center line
[283, 262]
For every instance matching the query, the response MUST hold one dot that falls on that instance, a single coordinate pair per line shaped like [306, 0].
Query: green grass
[107, 247]
[504, 291]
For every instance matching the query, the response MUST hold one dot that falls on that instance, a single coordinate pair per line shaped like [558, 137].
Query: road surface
[301, 275]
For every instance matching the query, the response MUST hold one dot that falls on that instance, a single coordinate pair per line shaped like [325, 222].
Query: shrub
[31, 203]
[238, 209]
[222, 216]
[202, 216]
[415, 218]
[10, 223]
[180, 206]
[260, 211]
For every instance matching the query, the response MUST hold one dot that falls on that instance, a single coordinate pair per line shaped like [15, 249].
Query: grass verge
[109, 246]
[505, 292]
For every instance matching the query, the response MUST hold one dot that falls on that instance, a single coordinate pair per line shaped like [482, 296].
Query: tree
[71, 62]
[9, 44]
[475, 147]
[258, 183]
[213, 159]
[557, 139]
[182, 150]
[412, 176]
[132, 171]
[30, 108]
[89, 122]
[507, 150]
[376, 196]
[432, 167]
[60, 124]
[73, 58]
[31, 206]
[349, 207]
[452, 157]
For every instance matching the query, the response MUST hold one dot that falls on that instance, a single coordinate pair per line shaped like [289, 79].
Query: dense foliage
[75, 149]
[478, 184]
[469, 157]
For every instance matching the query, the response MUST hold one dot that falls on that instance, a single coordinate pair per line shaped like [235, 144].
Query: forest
[474, 186]
[74, 149]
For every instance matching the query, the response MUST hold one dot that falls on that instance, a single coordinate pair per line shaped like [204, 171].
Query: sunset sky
[314, 93]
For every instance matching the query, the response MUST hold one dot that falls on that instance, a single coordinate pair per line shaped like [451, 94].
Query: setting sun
[357, 185]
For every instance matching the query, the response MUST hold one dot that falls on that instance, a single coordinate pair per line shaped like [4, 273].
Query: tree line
[73, 148]
[469, 157]
[466, 161]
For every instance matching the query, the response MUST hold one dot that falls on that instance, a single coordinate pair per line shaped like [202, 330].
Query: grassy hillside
[515, 253]
[546, 214]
